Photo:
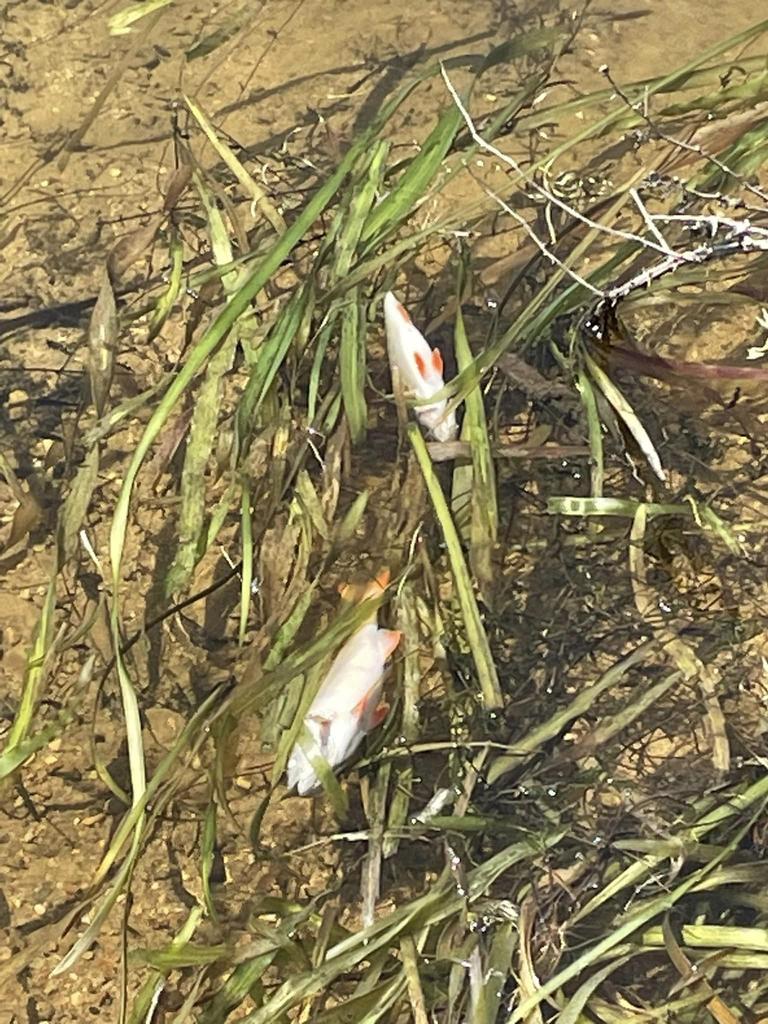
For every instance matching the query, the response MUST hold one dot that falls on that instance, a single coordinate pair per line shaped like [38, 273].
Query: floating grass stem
[476, 636]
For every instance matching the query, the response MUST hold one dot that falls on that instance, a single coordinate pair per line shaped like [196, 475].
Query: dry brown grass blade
[375, 802]
[75, 506]
[27, 516]
[259, 198]
[177, 186]
[28, 512]
[713, 137]
[528, 982]
[77, 136]
[688, 662]
[676, 371]
[128, 249]
[716, 1006]
[447, 451]
[410, 955]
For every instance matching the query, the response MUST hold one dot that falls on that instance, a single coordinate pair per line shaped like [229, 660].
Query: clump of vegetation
[562, 817]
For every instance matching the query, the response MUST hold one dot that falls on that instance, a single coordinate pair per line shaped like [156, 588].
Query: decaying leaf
[102, 343]
[75, 506]
[128, 249]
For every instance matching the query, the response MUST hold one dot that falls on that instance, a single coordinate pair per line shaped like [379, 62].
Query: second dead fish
[348, 704]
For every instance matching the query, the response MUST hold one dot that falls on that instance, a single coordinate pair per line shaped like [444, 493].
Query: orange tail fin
[356, 592]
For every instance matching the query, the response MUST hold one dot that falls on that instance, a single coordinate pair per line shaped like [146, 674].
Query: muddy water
[294, 84]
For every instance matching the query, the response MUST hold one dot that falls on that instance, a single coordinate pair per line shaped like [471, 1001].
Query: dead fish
[348, 704]
[420, 368]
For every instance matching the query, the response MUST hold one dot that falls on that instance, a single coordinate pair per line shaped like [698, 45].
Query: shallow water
[292, 89]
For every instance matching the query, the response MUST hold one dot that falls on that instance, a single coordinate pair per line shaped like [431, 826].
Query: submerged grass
[554, 827]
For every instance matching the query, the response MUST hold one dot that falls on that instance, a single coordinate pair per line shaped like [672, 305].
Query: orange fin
[437, 361]
[382, 578]
[376, 587]
[421, 366]
[378, 715]
[365, 704]
[391, 639]
[368, 713]
[403, 312]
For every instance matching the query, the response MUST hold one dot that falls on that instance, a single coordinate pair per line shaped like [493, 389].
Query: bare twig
[647, 217]
[625, 236]
[689, 147]
[744, 237]
[541, 245]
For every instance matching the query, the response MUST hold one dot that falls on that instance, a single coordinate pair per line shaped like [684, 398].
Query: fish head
[441, 425]
[420, 369]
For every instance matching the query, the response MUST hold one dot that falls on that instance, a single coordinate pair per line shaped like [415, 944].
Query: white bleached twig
[545, 251]
[626, 236]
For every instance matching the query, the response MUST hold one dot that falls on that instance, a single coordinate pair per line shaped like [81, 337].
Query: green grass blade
[76, 505]
[189, 734]
[628, 415]
[345, 530]
[205, 417]
[132, 716]
[120, 23]
[352, 368]
[352, 348]
[594, 427]
[434, 907]
[484, 522]
[355, 219]
[100, 914]
[573, 1009]
[270, 357]
[497, 968]
[251, 188]
[167, 300]
[557, 722]
[207, 854]
[210, 341]
[408, 623]
[34, 674]
[14, 756]
[237, 988]
[625, 507]
[246, 578]
[228, 30]
[148, 991]
[476, 636]
[623, 929]
[415, 180]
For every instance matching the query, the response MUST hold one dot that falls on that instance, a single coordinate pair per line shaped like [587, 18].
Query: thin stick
[626, 236]
[689, 147]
